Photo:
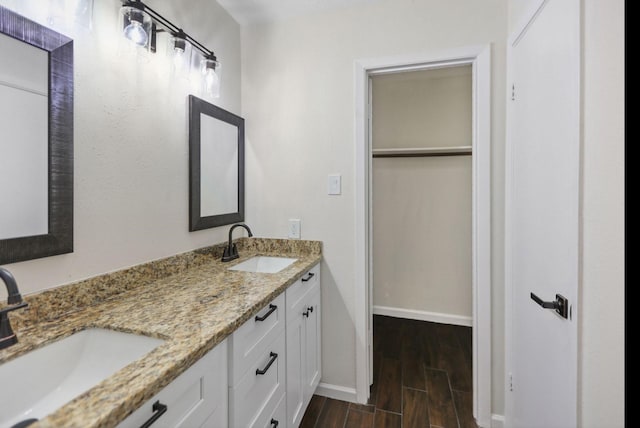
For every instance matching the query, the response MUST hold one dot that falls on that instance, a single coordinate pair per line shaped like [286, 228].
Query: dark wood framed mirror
[53, 135]
[216, 166]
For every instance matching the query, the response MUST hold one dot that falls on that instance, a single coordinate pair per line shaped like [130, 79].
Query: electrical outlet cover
[294, 228]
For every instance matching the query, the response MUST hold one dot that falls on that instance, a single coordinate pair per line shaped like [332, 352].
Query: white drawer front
[256, 394]
[250, 340]
[192, 397]
[276, 418]
[297, 292]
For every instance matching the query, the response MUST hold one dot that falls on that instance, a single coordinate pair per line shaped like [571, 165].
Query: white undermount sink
[264, 264]
[41, 381]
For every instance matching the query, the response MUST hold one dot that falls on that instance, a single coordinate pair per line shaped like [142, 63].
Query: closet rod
[422, 152]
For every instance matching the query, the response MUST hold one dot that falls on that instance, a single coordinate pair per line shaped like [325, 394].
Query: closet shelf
[422, 152]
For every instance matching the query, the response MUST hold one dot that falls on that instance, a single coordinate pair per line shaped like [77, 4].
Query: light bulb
[211, 78]
[178, 58]
[179, 51]
[212, 83]
[136, 33]
[136, 24]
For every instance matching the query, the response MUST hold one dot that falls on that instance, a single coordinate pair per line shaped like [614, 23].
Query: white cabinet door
[303, 344]
[198, 397]
[296, 365]
[312, 345]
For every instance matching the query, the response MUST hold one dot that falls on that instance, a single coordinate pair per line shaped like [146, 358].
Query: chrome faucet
[7, 336]
[231, 252]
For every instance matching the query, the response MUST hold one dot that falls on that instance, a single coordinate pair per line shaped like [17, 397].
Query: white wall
[601, 370]
[298, 100]
[422, 206]
[422, 235]
[427, 108]
[131, 146]
[602, 342]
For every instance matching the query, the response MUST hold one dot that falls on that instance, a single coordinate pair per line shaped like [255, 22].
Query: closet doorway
[423, 198]
[421, 123]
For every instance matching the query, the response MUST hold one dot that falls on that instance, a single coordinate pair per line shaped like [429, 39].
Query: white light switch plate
[334, 185]
[294, 228]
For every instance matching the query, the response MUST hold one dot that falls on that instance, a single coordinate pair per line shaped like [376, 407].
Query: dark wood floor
[421, 378]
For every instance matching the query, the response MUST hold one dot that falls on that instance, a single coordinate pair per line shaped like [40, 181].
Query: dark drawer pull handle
[273, 356]
[311, 275]
[272, 309]
[159, 410]
[274, 423]
[306, 313]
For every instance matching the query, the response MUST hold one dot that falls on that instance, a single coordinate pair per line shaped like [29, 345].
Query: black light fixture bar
[168, 26]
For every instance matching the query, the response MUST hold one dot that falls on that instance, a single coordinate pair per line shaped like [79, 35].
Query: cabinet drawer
[276, 418]
[252, 338]
[297, 292]
[192, 397]
[258, 394]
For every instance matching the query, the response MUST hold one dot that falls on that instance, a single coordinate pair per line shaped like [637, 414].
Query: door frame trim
[480, 59]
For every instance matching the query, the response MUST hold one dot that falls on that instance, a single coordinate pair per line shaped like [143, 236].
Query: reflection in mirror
[24, 102]
[36, 140]
[216, 166]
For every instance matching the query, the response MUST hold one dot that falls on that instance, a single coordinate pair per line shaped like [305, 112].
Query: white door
[542, 216]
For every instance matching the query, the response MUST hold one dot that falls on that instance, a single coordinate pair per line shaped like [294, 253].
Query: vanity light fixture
[210, 68]
[140, 24]
[180, 52]
[137, 23]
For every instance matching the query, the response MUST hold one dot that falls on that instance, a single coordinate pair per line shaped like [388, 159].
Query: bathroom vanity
[239, 347]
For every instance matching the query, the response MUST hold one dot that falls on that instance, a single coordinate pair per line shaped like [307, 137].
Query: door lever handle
[560, 305]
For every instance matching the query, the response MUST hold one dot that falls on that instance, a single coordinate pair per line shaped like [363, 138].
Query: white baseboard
[423, 315]
[337, 392]
[497, 421]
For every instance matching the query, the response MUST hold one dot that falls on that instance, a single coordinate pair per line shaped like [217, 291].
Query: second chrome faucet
[231, 251]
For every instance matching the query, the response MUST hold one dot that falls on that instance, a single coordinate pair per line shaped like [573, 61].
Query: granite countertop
[191, 301]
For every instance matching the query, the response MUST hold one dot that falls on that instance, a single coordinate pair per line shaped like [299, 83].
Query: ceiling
[252, 11]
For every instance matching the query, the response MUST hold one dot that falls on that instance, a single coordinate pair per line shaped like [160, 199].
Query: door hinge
[510, 382]
[513, 92]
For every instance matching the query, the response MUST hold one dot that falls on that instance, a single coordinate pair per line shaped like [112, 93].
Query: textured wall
[298, 99]
[131, 145]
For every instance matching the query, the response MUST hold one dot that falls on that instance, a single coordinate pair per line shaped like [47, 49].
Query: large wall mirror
[216, 166]
[36, 140]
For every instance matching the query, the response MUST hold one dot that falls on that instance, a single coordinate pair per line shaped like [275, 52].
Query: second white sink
[264, 264]
[41, 381]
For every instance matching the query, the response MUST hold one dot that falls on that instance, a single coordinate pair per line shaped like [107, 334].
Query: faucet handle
[230, 253]
[8, 309]
[234, 249]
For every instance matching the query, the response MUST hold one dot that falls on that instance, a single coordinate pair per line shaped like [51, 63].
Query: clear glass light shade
[210, 77]
[136, 25]
[179, 51]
